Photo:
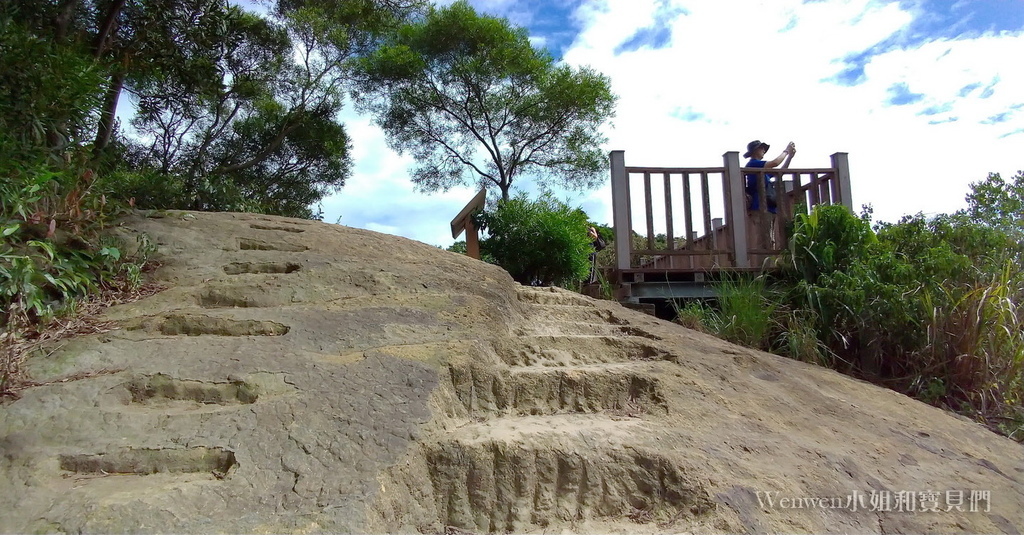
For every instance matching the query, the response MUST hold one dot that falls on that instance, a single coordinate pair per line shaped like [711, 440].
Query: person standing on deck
[755, 151]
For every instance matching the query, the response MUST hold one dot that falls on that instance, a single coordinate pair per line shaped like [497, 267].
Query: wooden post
[621, 219]
[841, 162]
[472, 240]
[464, 221]
[735, 208]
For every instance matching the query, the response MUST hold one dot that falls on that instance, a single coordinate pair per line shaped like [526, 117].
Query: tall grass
[974, 359]
[797, 338]
[910, 309]
[743, 313]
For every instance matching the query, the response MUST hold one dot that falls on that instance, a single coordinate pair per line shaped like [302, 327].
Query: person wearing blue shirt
[755, 151]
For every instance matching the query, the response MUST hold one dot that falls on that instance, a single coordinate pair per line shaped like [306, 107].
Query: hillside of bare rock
[300, 377]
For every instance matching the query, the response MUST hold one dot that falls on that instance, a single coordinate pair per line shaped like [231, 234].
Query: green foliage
[742, 314]
[859, 291]
[745, 312]
[999, 204]
[950, 247]
[262, 139]
[48, 96]
[694, 314]
[830, 239]
[455, 84]
[234, 110]
[51, 251]
[538, 242]
[928, 306]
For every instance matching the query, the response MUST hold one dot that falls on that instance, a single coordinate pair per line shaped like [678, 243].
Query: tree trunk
[105, 129]
[63, 20]
[505, 185]
[106, 28]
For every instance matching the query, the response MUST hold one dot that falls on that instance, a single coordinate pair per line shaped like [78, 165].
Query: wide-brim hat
[754, 145]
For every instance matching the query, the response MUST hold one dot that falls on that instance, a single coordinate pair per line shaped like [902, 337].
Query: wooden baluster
[650, 210]
[669, 231]
[706, 202]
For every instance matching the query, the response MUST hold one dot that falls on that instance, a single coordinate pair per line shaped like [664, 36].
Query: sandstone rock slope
[304, 377]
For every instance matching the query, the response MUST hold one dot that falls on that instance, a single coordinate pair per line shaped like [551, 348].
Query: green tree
[472, 100]
[134, 40]
[543, 241]
[264, 138]
[48, 96]
[998, 203]
[236, 111]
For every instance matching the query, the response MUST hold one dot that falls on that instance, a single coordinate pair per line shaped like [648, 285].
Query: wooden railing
[739, 238]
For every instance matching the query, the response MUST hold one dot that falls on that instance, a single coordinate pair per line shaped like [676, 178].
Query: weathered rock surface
[305, 377]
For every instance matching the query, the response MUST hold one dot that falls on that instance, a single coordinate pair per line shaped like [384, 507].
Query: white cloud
[379, 195]
[729, 64]
[748, 69]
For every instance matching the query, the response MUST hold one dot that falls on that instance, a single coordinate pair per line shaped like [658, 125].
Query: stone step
[575, 313]
[552, 296]
[518, 474]
[548, 327]
[623, 388]
[580, 349]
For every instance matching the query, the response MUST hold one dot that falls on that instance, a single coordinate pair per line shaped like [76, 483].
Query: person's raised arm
[786, 156]
[791, 148]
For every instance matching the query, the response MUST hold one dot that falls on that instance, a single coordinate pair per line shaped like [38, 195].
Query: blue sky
[926, 96]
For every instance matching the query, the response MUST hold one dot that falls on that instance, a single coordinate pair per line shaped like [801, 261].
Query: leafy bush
[743, 312]
[48, 95]
[538, 242]
[931, 307]
[52, 253]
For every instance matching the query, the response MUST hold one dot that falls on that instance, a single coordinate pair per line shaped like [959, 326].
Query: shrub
[48, 95]
[973, 361]
[538, 242]
[743, 312]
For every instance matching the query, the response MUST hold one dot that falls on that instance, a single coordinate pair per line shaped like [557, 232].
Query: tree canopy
[233, 110]
[998, 203]
[472, 100]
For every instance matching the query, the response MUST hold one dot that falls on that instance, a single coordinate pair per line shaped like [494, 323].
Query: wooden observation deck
[708, 230]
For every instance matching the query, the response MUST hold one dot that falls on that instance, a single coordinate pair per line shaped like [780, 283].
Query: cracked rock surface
[298, 376]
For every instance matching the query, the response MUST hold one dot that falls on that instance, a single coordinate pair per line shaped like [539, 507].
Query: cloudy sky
[926, 96]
